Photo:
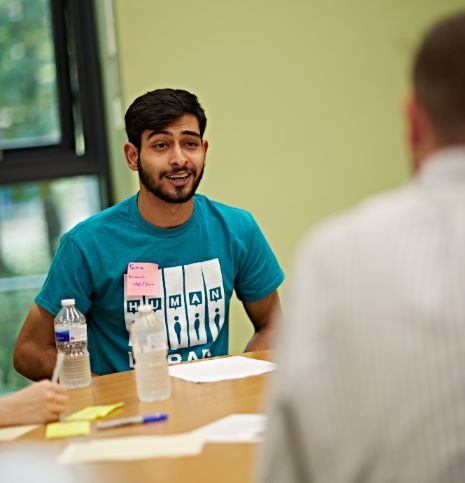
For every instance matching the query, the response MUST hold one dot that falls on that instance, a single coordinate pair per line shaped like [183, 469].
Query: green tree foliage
[28, 117]
[28, 99]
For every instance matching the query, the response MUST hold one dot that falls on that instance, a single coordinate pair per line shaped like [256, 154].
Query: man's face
[171, 162]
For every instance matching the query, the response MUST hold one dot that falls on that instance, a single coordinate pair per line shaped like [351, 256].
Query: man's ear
[414, 123]
[420, 132]
[131, 154]
[205, 148]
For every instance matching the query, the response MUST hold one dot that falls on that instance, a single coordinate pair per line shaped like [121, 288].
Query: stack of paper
[133, 448]
[221, 369]
[13, 432]
[235, 428]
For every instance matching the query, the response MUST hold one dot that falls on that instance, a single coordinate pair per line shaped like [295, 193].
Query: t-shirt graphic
[191, 301]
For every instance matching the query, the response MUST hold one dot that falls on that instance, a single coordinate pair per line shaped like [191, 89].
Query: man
[182, 253]
[371, 377]
[38, 403]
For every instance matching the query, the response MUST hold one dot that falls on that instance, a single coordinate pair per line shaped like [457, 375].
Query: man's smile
[179, 178]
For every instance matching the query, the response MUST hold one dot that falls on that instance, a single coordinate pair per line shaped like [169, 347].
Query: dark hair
[439, 78]
[157, 109]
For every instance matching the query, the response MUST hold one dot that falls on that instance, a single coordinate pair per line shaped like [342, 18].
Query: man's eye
[192, 144]
[160, 146]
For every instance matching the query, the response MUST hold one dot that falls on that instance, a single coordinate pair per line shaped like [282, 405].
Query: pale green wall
[123, 181]
[303, 98]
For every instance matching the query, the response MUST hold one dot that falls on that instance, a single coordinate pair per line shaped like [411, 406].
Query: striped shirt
[371, 378]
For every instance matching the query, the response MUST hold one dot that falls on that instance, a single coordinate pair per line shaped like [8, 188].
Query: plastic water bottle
[148, 337]
[71, 340]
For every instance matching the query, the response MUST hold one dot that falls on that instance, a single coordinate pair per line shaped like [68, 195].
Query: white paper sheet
[13, 432]
[133, 448]
[235, 428]
[221, 369]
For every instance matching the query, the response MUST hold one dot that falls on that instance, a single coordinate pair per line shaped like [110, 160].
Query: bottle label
[76, 333]
[62, 335]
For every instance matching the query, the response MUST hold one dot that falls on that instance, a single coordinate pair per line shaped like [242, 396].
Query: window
[53, 170]
[29, 114]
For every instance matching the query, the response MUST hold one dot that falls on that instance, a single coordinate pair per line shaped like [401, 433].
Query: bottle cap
[145, 309]
[67, 302]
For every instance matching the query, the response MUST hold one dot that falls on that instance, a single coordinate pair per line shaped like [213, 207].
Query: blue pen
[148, 418]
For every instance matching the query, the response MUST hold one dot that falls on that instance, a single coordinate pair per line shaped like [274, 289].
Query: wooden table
[32, 458]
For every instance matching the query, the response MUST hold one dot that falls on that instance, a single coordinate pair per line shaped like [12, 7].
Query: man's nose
[178, 155]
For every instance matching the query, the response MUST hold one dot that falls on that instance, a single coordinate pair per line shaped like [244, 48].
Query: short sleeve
[68, 278]
[259, 272]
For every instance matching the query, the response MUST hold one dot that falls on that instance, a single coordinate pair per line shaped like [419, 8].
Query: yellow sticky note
[93, 412]
[66, 430]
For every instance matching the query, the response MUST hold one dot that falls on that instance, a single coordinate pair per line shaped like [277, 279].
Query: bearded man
[179, 251]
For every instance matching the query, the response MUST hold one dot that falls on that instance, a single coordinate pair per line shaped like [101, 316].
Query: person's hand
[40, 402]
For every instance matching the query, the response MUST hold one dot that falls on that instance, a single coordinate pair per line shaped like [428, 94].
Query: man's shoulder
[370, 221]
[109, 218]
[216, 208]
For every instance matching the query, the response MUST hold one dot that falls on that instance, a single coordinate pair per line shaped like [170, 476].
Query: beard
[182, 193]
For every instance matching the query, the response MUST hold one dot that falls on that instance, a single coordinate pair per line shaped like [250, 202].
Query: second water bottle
[148, 337]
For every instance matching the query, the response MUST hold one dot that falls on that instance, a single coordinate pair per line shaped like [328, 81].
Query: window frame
[73, 23]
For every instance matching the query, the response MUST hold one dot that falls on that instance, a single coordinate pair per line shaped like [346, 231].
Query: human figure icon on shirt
[177, 328]
[197, 326]
[217, 318]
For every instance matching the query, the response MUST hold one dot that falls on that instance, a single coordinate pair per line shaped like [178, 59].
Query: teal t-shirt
[218, 250]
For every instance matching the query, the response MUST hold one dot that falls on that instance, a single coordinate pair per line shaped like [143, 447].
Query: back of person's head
[156, 110]
[439, 79]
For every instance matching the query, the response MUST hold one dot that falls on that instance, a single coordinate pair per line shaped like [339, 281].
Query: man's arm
[262, 313]
[35, 351]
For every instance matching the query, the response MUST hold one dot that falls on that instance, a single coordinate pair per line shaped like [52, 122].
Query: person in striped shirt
[371, 362]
